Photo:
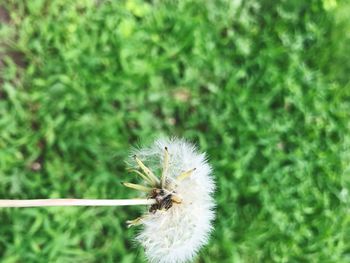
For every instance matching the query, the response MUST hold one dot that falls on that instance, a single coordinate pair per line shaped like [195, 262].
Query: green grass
[261, 86]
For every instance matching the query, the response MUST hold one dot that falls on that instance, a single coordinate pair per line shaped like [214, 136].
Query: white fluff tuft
[176, 235]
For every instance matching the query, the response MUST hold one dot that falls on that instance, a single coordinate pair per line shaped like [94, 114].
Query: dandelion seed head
[175, 235]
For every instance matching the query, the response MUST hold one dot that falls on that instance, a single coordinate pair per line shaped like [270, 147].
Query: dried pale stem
[165, 166]
[186, 174]
[74, 202]
[138, 187]
[135, 222]
[144, 177]
[147, 171]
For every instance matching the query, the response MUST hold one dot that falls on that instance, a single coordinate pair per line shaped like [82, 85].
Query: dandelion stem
[74, 202]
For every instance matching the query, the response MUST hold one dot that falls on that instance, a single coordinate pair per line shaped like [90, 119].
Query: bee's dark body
[164, 200]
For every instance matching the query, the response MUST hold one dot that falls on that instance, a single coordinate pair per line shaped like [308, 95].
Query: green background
[261, 86]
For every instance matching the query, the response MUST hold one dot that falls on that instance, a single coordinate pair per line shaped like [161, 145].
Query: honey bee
[160, 189]
[164, 200]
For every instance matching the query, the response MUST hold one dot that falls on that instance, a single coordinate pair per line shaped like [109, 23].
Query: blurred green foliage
[261, 86]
